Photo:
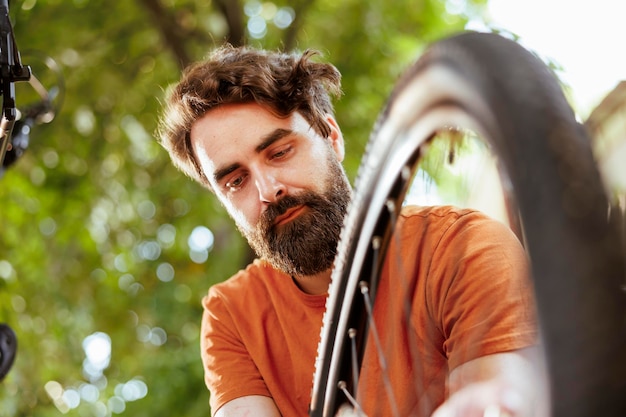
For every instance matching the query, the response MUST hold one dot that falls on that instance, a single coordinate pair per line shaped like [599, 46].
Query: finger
[495, 410]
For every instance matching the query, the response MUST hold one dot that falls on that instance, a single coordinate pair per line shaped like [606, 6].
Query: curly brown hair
[283, 83]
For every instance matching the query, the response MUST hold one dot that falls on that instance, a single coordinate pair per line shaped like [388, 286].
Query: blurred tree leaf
[96, 223]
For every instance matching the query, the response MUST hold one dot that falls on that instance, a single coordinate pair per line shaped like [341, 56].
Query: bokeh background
[105, 249]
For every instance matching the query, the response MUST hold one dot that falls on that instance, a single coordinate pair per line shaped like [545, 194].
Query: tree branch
[233, 13]
[172, 34]
[291, 33]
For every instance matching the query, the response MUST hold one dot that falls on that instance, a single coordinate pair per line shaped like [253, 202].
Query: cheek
[241, 215]
[319, 168]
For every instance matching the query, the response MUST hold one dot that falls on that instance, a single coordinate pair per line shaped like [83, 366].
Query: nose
[270, 188]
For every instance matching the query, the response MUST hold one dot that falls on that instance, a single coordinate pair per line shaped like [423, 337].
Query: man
[257, 128]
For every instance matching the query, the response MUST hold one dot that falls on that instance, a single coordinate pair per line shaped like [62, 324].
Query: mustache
[279, 207]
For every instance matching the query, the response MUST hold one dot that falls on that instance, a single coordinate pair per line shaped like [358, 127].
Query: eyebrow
[222, 172]
[266, 142]
[272, 137]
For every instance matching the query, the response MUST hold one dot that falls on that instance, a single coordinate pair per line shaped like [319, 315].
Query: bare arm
[511, 381]
[249, 406]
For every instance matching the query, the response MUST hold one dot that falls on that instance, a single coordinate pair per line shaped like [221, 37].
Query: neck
[314, 284]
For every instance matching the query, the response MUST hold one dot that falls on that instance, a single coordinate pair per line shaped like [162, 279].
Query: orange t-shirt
[470, 297]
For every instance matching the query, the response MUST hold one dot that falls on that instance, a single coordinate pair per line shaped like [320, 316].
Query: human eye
[235, 182]
[281, 152]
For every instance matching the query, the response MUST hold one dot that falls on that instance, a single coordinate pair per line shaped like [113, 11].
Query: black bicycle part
[11, 71]
[8, 349]
[495, 87]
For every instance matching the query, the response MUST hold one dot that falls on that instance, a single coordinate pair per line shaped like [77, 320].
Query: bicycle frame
[11, 71]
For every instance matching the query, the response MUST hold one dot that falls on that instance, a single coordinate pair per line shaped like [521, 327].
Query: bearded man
[257, 128]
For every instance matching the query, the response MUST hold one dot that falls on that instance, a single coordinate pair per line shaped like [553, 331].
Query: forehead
[231, 133]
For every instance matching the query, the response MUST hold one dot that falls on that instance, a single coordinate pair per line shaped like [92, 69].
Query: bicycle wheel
[8, 348]
[492, 86]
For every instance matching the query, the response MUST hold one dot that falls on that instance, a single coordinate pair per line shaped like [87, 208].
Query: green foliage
[94, 219]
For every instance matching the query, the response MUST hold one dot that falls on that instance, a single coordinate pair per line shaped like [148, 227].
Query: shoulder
[440, 215]
[254, 274]
[444, 222]
[450, 239]
[253, 282]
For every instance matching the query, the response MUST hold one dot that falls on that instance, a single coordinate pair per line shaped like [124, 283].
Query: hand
[483, 399]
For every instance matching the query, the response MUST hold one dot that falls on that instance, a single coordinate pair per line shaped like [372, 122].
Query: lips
[288, 215]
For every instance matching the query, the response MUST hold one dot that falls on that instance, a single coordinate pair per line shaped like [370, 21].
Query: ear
[335, 137]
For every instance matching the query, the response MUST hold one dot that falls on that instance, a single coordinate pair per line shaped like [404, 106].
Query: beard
[307, 245]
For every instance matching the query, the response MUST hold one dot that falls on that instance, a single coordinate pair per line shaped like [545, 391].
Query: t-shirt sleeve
[229, 370]
[481, 291]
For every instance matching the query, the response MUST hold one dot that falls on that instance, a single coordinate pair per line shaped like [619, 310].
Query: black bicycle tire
[508, 95]
[8, 349]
